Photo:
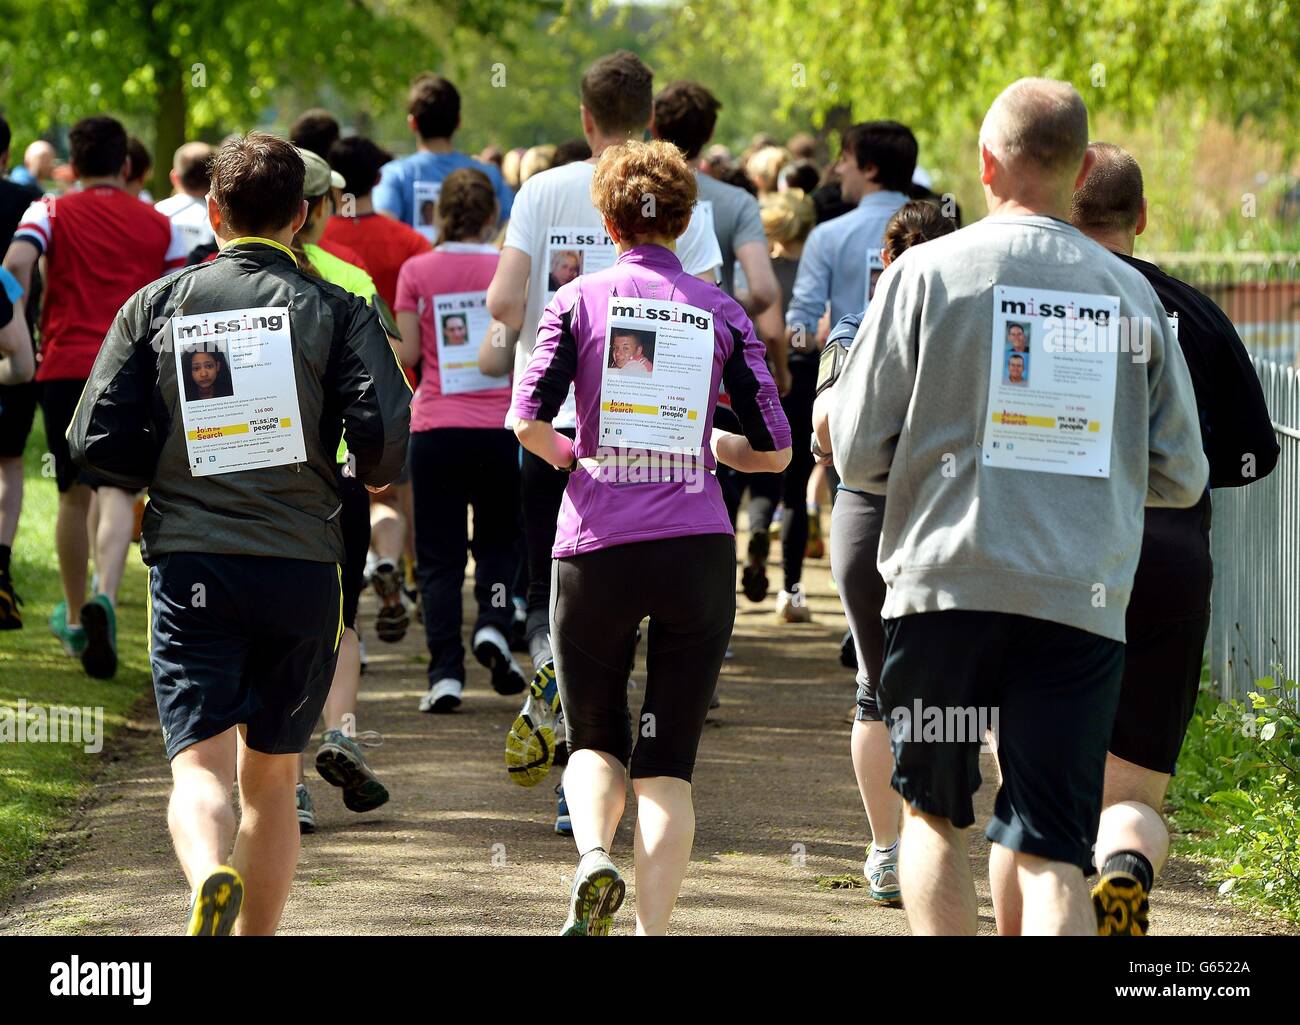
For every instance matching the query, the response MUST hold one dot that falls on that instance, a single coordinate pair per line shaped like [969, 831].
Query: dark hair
[570, 151]
[257, 183]
[915, 222]
[141, 161]
[97, 147]
[685, 115]
[889, 146]
[315, 130]
[358, 159]
[467, 203]
[736, 176]
[801, 174]
[435, 105]
[1111, 196]
[223, 385]
[616, 90]
[803, 146]
[6, 137]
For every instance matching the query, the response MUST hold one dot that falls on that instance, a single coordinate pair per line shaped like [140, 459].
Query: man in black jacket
[225, 389]
[1169, 613]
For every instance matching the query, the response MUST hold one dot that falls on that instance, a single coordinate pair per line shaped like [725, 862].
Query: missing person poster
[1054, 358]
[238, 390]
[424, 208]
[654, 384]
[574, 251]
[461, 320]
[875, 268]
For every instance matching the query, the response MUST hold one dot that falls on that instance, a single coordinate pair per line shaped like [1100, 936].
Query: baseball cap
[319, 177]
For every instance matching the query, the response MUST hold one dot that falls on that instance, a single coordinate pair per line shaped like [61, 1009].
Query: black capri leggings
[686, 586]
[855, 538]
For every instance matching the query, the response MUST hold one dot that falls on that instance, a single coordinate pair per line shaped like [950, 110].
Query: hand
[781, 375]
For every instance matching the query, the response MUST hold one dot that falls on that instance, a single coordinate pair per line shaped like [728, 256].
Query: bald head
[38, 158]
[1110, 198]
[1038, 125]
[190, 168]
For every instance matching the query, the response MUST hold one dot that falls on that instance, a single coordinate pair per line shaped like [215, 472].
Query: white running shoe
[881, 870]
[792, 606]
[493, 651]
[443, 696]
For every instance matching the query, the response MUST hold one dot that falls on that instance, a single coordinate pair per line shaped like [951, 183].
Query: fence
[1255, 628]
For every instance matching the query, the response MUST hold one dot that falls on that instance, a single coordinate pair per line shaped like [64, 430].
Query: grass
[41, 784]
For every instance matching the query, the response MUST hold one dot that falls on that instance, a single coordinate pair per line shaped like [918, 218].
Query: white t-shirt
[189, 217]
[561, 198]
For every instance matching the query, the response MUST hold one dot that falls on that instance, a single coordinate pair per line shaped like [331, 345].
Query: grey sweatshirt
[910, 415]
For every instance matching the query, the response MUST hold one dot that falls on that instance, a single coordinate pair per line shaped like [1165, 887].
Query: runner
[17, 400]
[241, 676]
[630, 546]
[554, 221]
[315, 130]
[1169, 614]
[855, 539]
[408, 188]
[101, 247]
[37, 167]
[141, 163]
[383, 243]
[462, 458]
[187, 206]
[339, 759]
[1026, 620]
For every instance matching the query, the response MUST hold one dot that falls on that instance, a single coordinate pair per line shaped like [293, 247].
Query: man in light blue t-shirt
[408, 187]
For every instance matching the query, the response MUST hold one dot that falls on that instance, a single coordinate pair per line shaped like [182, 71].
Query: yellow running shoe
[216, 903]
[1121, 905]
[530, 744]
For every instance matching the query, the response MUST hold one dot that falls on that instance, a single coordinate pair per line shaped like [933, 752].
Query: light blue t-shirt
[408, 187]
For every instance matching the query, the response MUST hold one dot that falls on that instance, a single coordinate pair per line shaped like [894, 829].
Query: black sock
[5, 552]
[1132, 862]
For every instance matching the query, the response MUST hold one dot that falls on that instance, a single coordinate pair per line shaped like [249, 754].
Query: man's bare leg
[72, 542]
[1054, 898]
[113, 538]
[268, 841]
[199, 814]
[873, 764]
[934, 869]
[1131, 819]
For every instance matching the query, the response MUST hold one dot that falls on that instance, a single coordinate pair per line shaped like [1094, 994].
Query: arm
[111, 434]
[545, 442]
[1177, 470]
[507, 296]
[876, 383]
[1242, 444]
[812, 287]
[544, 385]
[770, 326]
[408, 324]
[752, 254]
[754, 400]
[17, 360]
[387, 195]
[374, 398]
[496, 353]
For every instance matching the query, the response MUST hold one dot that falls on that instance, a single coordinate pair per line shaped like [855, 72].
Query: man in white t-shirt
[553, 214]
[187, 207]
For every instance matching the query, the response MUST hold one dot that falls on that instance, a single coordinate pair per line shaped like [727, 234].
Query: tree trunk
[169, 122]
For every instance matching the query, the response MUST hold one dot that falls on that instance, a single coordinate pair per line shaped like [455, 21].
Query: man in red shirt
[382, 242]
[101, 245]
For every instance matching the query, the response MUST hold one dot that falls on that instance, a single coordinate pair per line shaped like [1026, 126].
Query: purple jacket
[643, 501]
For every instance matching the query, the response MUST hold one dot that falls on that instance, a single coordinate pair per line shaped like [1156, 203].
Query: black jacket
[128, 428]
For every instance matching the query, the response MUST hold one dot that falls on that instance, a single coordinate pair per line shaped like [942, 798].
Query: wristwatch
[571, 467]
[816, 449]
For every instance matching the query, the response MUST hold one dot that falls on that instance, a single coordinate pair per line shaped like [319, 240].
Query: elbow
[777, 461]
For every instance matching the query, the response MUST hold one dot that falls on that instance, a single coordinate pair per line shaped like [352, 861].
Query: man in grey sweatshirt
[1015, 513]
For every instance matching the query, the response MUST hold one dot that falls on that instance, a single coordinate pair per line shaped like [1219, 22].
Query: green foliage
[1237, 795]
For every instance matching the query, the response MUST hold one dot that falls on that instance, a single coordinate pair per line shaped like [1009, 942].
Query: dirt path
[459, 849]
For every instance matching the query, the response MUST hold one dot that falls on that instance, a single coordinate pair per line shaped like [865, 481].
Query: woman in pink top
[462, 456]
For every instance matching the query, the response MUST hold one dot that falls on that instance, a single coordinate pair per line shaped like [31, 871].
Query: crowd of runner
[316, 368]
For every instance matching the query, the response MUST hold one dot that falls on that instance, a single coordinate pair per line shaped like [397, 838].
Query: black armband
[829, 365]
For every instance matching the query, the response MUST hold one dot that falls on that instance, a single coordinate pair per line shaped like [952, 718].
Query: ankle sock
[1134, 863]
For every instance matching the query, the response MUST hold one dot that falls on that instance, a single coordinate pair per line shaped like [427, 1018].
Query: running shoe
[563, 824]
[530, 744]
[73, 638]
[493, 651]
[881, 870]
[394, 616]
[598, 891]
[753, 578]
[816, 547]
[1120, 902]
[10, 616]
[306, 811]
[216, 903]
[341, 764]
[792, 606]
[99, 621]
[443, 696]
